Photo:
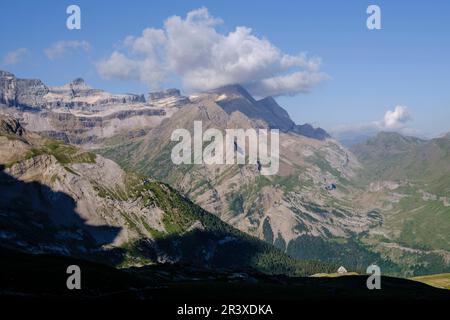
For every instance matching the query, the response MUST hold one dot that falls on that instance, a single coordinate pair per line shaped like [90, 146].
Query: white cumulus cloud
[193, 49]
[60, 48]
[15, 56]
[396, 119]
[393, 120]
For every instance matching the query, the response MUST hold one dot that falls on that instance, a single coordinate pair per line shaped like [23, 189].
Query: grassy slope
[65, 154]
[436, 280]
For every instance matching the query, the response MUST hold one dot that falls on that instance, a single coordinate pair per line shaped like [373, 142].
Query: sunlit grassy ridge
[64, 153]
[436, 280]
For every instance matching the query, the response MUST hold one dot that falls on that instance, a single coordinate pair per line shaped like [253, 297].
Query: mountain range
[80, 204]
[383, 201]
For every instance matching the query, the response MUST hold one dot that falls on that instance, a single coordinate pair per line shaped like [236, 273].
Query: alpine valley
[88, 174]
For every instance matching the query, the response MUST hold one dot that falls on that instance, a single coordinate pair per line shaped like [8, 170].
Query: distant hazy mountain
[409, 180]
[390, 155]
[350, 141]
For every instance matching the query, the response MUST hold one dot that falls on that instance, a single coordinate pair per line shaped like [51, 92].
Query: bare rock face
[32, 93]
[12, 138]
[21, 93]
[169, 97]
[77, 94]
[79, 114]
[156, 95]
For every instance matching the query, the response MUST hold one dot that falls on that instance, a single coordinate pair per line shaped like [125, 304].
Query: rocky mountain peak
[236, 98]
[309, 131]
[268, 100]
[79, 84]
[78, 81]
[78, 87]
[167, 98]
[156, 95]
[233, 91]
[6, 74]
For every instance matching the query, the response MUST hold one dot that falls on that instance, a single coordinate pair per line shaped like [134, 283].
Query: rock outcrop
[11, 126]
[21, 93]
[169, 97]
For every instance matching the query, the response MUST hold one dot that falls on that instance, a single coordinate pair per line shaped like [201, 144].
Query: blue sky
[405, 63]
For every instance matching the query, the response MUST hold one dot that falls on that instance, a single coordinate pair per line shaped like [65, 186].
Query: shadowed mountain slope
[43, 279]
